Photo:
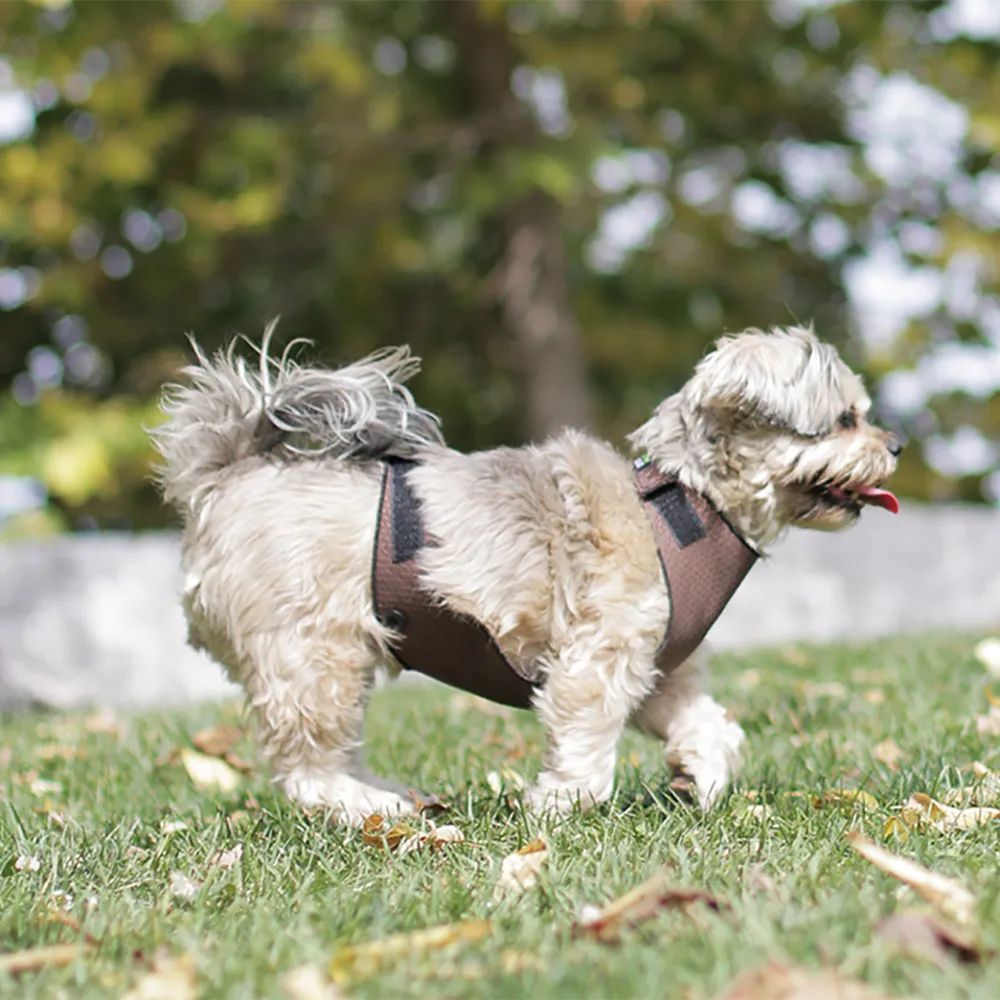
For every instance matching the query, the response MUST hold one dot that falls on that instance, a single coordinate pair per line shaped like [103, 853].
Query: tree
[543, 198]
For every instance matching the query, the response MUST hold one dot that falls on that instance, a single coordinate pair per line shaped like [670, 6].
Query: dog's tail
[230, 411]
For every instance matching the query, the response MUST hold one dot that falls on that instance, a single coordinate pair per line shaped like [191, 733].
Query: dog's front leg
[703, 741]
[585, 706]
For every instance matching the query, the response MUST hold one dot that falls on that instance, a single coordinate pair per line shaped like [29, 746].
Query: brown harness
[704, 560]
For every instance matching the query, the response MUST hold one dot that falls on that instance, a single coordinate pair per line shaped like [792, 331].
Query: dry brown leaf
[948, 895]
[170, 979]
[308, 982]
[15, 962]
[519, 871]
[642, 903]
[217, 741]
[359, 961]
[989, 724]
[403, 838]
[822, 689]
[104, 721]
[929, 936]
[776, 981]
[209, 773]
[429, 804]
[987, 786]
[226, 859]
[888, 753]
[922, 812]
[377, 833]
[854, 797]
[182, 886]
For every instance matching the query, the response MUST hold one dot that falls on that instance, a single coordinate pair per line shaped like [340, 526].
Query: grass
[302, 888]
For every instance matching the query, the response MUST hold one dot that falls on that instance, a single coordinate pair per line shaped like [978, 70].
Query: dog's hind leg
[703, 741]
[309, 695]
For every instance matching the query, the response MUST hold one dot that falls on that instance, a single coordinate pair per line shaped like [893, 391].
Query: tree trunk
[530, 280]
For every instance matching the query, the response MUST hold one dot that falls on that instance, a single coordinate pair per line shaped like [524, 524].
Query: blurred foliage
[364, 170]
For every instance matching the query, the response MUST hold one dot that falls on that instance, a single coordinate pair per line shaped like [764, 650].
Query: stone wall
[94, 619]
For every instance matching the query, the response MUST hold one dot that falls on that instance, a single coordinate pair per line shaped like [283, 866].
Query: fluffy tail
[230, 411]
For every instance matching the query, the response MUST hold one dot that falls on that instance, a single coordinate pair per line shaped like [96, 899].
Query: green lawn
[99, 811]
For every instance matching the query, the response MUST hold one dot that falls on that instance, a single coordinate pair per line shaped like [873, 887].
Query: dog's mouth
[854, 496]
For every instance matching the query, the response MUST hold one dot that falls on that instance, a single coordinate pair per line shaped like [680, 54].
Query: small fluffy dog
[276, 469]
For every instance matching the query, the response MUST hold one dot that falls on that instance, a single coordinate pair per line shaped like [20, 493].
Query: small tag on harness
[672, 505]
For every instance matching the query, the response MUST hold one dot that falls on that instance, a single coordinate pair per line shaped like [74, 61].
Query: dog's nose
[894, 444]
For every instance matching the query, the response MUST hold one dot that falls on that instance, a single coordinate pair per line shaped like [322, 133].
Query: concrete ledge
[95, 619]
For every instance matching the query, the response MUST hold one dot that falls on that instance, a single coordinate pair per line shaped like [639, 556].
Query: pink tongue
[881, 498]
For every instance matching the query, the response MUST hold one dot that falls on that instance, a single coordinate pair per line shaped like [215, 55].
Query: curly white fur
[276, 471]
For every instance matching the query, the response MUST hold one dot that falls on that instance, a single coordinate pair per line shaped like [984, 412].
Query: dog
[277, 470]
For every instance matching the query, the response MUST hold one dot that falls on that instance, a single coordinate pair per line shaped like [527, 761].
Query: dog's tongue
[881, 498]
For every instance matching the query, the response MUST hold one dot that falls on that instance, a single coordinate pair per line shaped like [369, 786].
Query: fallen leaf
[217, 741]
[989, 724]
[61, 751]
[240, 763]
[757, 880]
[182, 886]
[776, 981]
[40, 786]
[504, 780]
[823, 689]
[987, 786]
[209, 773]
[854, 797]
[308, 982]
[922, 812]
[170, 979]
[403, 838]
[888, 753]
[226, 859]
[359, 961]
[929, 936]
[948, 895]
[27, 863]
[519, 871]
[430, 804]
[377, 833]
[987, 653]
[642, 903]
[14, 962]
[103, 721]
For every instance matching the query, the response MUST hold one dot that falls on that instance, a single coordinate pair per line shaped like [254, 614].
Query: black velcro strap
[682, 519]
[407, 524]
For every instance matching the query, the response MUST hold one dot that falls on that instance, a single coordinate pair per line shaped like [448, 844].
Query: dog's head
[774, 428]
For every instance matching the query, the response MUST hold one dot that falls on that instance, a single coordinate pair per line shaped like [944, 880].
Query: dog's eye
[848, 419]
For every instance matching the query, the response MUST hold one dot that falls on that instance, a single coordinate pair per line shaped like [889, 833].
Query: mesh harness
[703, 560]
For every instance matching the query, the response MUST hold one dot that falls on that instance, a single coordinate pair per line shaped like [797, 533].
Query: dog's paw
[559, 798]
[705, 749]
[350, 801]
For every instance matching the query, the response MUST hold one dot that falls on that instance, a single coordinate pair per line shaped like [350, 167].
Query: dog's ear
[774, 376]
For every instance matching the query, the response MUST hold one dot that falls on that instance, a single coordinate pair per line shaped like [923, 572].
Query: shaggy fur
[276, 471]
